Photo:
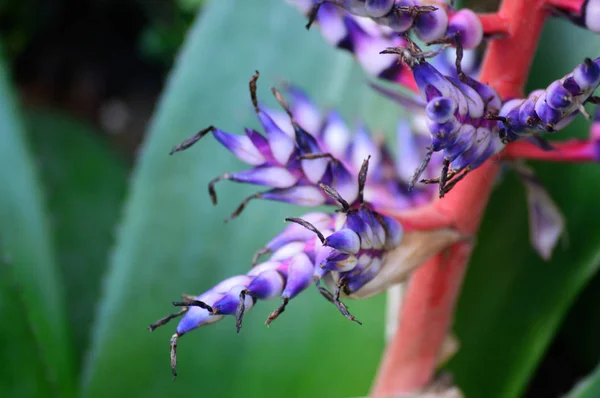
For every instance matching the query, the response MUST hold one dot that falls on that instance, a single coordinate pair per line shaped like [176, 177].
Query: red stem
[567, 5]
[411, 358]
[567, 151]
[493, 25]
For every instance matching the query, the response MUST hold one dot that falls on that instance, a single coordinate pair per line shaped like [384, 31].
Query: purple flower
[546, 223]
[309, 159]
[431, 21]
[346, 249]
[296, 155]
[552, 109]
[345, 253]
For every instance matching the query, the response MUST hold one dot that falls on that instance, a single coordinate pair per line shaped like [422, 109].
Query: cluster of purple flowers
[431, 21]
[467, 119]
[310, 159]
[470, 123]
[551, 109]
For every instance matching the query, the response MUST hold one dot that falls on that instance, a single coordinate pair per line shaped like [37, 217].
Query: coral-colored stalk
[567, 151]
[411, 358]
[493, 25]
[567, 5]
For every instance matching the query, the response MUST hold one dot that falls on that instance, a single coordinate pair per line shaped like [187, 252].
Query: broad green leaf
[172, 240]
[513, 302]
[588, 387]
[84, 184]
[26, 375]
[25, 236]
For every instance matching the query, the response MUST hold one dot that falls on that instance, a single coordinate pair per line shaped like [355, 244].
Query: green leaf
[172, 240]
[588, 387]
[26, 242]
[26, 375]
[513, 302]
[85, 185]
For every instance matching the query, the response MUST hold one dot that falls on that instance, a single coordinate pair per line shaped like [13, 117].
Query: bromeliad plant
[391, 223]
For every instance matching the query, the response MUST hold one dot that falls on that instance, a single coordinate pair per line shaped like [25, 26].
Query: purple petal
[263, 267]
[241, 146]
[393, 232]
[281, 144]
[228, 304]
[227, 284]
[466, 23]
[432, 25]
[378, 231]
[344, 240]
[331, 23]
[364, 231]
[366, 48]
[464, 140]
[303, 195]
[314, 169]
[288, 251]
[363, 147]
[592, 15]
[440, 109]
[344, 182]
[335, 135]
[296, 232]
[306, 114]
[547, 115]
[546, 223]
[356, 282]
[267, 285]
[196, 316]
[276, 177]
[558, 97]
[587, 75]
[299, 275]
[378, 8]
[260, 142]
[340, 262]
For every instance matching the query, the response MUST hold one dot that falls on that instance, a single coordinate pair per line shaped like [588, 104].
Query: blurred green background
[100, 229]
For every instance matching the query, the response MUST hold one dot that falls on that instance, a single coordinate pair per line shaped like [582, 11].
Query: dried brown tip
[308, 226]
[192, 140]
[335, 195]
[277, 311]
[211, 187]
[193, 303]
[252, 85]
[258, 254]
[362, 179]
[166, 319]
[243, 205]
[282, 102]
[174, 339]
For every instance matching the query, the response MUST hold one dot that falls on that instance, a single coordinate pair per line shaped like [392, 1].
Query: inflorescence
[467, 119]
[307, 159]
[345, 250]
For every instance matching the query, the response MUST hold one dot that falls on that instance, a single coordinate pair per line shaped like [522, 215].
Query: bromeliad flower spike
[347, 250]
[391, 223]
